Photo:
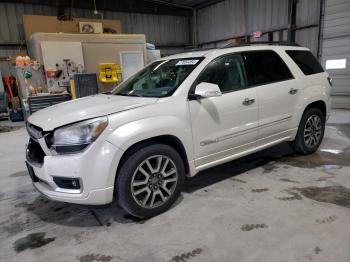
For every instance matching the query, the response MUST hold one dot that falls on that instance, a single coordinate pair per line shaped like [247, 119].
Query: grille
[35, 154]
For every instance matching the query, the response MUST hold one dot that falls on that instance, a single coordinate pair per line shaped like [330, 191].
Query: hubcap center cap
[155, 181]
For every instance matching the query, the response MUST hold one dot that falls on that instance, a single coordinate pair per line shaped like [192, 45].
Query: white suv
[177, 116]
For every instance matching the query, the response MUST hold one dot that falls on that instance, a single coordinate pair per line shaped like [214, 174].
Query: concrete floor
[271, 206]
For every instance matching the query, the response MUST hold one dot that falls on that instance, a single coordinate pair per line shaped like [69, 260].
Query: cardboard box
[50, 24]
[16, 104]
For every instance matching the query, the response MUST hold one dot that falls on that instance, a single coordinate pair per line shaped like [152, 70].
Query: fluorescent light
[336, 63]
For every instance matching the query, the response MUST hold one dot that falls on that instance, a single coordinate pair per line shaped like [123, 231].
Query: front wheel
[150, 180]
[310, 131]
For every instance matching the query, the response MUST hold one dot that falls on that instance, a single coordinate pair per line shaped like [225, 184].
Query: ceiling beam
[129, 6]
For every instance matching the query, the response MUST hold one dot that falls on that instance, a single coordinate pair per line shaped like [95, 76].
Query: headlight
[74, 138]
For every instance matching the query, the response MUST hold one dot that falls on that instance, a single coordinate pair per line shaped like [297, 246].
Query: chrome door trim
[243, 132]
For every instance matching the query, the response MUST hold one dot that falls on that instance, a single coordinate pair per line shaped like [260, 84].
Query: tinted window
[227, 72]
[266, 67]
[306, 62]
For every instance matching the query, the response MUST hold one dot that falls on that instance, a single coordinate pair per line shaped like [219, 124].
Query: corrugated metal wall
[308, 14]
[234, 18]
[162, 30]
[267, 15]
[221, 21]
[6, 51]
[336, 43]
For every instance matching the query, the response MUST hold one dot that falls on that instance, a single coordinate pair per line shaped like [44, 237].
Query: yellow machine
[109, 73]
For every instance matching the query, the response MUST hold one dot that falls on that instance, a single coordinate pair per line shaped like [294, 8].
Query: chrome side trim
[275, 122]
[228, 136]
[238, 155]
[243, 132]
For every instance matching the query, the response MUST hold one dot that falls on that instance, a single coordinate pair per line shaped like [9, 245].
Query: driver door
[226, 125]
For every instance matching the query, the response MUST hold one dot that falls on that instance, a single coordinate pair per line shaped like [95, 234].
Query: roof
[221, 51]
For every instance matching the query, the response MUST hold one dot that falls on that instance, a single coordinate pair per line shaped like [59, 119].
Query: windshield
[159, 79]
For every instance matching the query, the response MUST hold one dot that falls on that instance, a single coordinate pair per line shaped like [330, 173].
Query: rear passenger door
[277, 93]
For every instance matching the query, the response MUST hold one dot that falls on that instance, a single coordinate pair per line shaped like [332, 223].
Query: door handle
[248, 101]
[293, 91]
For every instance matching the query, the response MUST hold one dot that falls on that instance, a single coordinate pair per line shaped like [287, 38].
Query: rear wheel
[150, 180]
[310, 131]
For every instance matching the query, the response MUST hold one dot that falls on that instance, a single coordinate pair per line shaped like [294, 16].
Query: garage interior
[273, 205]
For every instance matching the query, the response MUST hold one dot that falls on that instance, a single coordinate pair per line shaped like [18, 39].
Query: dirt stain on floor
[32, 241]
[318, 250]
[327, 220]
[95, 257]
[269, 167]
[343, 128]
[338, 195]
[19, 174]
[289, 181]
[259, 190]
[238, 180]
[293, 196]
[327, 158]
[250, 227]
[5, 129]
[186, 256]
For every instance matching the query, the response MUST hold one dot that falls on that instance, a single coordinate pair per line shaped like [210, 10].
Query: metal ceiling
[187, 3]
[166, 7]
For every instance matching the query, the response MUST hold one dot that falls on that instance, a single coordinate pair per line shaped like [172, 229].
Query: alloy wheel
[154, 181]
[313, 131]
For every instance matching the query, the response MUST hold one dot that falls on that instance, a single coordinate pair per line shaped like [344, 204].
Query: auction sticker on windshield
[187, 62]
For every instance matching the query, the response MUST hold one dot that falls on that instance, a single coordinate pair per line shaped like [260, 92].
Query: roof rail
[260, 43]
[198, 49]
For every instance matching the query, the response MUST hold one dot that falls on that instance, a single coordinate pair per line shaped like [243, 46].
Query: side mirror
[204, 90]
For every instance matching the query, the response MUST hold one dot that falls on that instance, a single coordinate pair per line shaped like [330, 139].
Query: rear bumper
[95, 168]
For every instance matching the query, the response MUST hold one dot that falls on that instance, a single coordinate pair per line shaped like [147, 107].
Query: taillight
[329, 81]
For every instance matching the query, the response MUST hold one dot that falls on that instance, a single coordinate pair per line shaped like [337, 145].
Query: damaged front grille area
[35, 153]
[39, 144]
[34, 131]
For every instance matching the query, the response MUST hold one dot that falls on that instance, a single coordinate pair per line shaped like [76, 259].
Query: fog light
[67, 183]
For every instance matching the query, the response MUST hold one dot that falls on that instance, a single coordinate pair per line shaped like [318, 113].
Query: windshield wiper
[135, 95]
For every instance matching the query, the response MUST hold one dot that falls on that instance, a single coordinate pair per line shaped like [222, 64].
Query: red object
[7, 86]
[256, 34]
[50, 73]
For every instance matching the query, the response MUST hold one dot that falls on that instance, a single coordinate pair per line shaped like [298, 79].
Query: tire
[310, 132]
[150, 180]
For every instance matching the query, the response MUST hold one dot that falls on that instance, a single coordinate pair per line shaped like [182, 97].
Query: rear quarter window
[305, 60]
[265, 67]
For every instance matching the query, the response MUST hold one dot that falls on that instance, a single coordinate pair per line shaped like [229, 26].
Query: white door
[226, 125]
[131, 62]
[277, 91]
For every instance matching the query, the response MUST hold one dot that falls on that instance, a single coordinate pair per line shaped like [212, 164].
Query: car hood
[85, 108]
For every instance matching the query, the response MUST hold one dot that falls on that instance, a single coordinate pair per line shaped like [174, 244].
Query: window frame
[250, 68]
[194, 84]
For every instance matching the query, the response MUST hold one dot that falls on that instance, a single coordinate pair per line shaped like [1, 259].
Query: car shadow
[74, 215]
[236, 167]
